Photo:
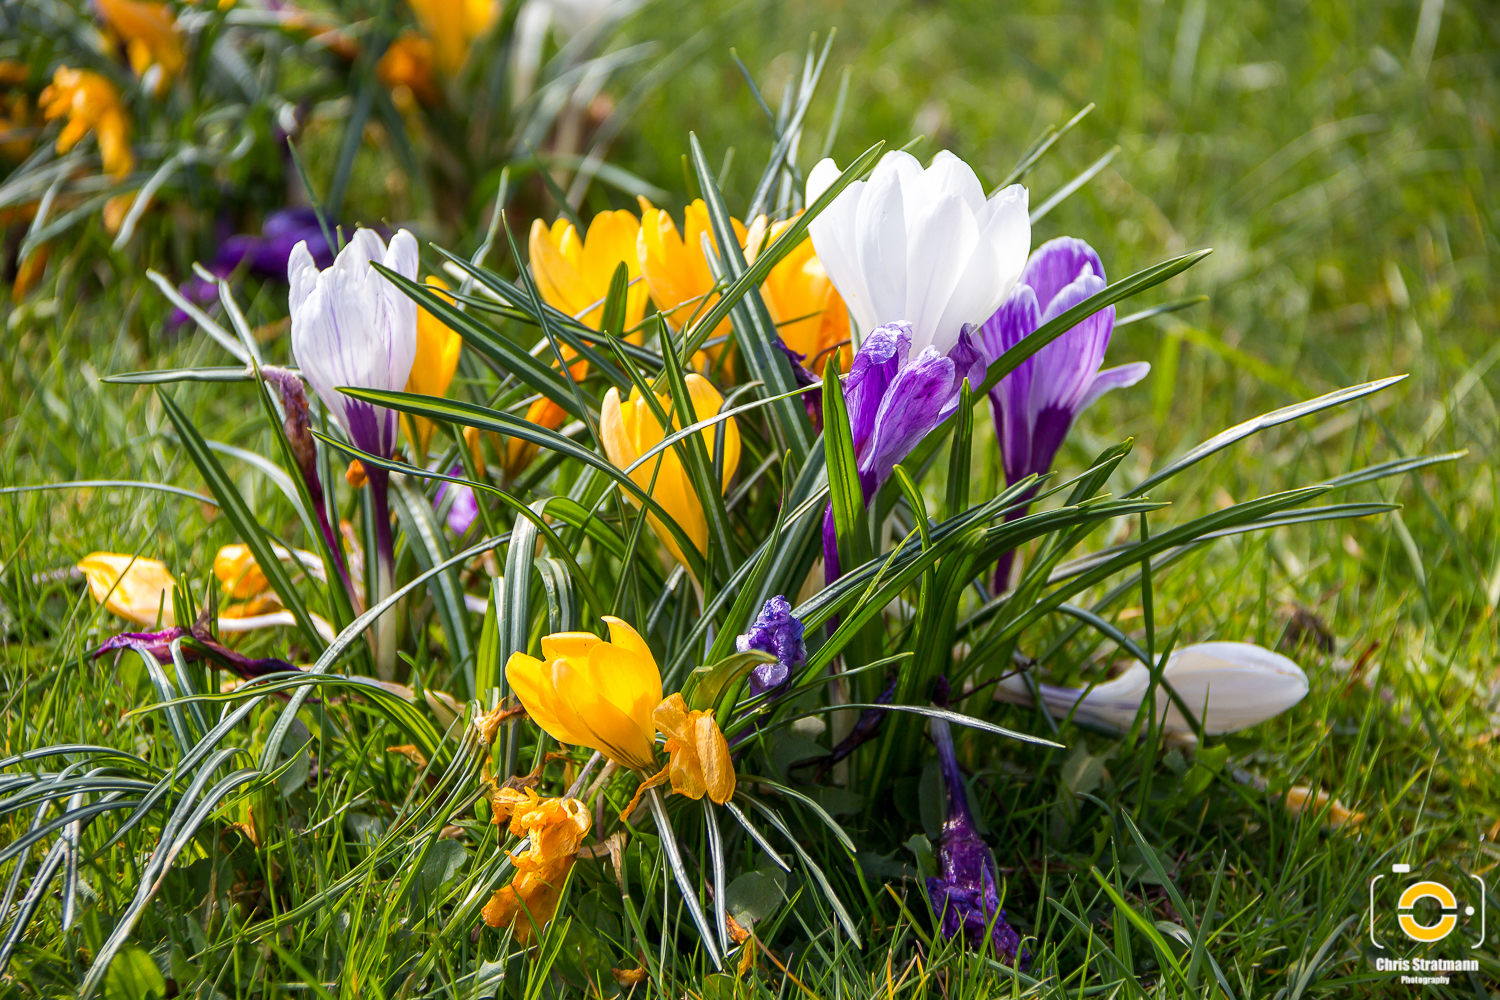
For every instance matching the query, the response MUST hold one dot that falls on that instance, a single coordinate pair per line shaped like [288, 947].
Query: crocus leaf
[707, 684]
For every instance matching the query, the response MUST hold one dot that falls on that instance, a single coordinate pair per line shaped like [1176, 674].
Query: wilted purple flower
[966, 894]
[894, 401]
[811, 401]
[778, 632]
[465, 507]
[198, 645]
[1035, 405]
[264, 255]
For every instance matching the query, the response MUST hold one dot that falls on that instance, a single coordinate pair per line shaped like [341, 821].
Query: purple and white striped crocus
[894, 401]
[352, 327]
[1034, 406]
[965, 893]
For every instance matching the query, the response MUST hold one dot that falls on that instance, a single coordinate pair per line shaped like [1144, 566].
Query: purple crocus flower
[965, 894]
[465, 507]
[778, 632]
[264, 255]
[894, 401]
[1035, 405]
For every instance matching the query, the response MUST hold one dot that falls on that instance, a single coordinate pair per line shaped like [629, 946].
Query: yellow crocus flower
[90, 103]
[554, 828]
[405, 68]
[573, 277]
[808, 311]
[454, 26]
[573, 274]
[592, 693]
[438, 347]
[131, 587]
[700, 763]
[238, 572]
[675, 269]
[149, 32]
[630, 429]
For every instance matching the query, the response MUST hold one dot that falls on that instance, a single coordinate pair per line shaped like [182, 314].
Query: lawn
[1340, 161]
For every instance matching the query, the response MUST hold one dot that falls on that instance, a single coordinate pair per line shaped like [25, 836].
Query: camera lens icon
[1435, 927]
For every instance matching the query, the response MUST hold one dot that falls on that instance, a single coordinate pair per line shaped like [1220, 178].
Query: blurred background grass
[1340, 160]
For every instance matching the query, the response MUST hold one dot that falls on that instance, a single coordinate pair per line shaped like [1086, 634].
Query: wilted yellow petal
[529, 901]
[238, 572]
[130, 586]
[1302, 799]
[700, 761]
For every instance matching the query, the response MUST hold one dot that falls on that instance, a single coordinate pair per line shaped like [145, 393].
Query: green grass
[1340, 163]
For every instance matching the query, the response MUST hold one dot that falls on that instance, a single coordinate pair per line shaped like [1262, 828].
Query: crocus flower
[554, 828]
[587, 692]
[90, 103]
[149, 33]
[1228, 685]
[809, 314]
[241, 577]
[528, 901]
[675, 268]
[573, 275]
[920, 246]
[264, 255]
[699, 762]
[1035, 405]
[464, 509]
[405, 69]
[352, 327]
[894, 401]
[965, 892]
[778, 632]
[454, 26]
[630, 429]
[130, 586]
[433, 365]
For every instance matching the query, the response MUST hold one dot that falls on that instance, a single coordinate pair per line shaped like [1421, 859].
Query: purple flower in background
[965, 894]
[465, 507]
[264, 255]
[1035, 405]
[894, 401]
[778, 632]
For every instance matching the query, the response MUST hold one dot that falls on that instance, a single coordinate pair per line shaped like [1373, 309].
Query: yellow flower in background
[149, 32]
[407, 63]
[90, 103]
[554, 828]
[700, 763]
[675, 269]
[808, 311]
[573, 277]
[630, 429]
[131, 587]
[592, 693]
[438, 347]
[238, 572]
[16, 118]
[454, 26]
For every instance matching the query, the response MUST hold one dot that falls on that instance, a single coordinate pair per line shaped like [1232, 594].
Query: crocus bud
[1228, 685]
[778, 632]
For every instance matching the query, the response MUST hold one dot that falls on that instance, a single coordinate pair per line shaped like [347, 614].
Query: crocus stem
[958, 799]
[385, 572]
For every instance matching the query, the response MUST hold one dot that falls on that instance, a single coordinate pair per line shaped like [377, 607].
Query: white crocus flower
[352, 327]
[1228, 685]
[921, 246]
